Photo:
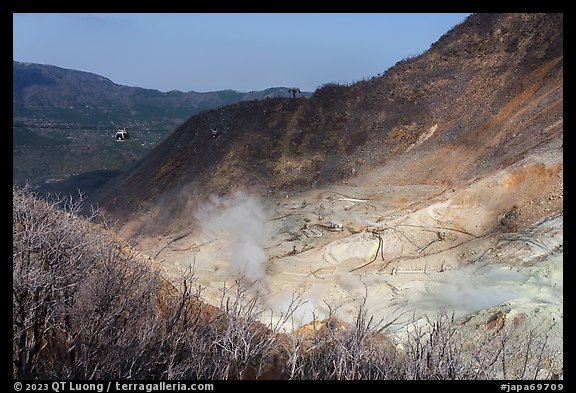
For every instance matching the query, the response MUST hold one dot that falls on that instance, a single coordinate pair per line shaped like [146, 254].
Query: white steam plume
[239, 222]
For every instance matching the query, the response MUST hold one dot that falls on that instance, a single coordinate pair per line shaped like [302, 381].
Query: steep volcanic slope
[482, 97]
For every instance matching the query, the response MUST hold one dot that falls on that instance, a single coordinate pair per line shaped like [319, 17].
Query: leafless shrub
[52, 251]
[82, 308]
[440, 349]
[337, 350]
[437, 350]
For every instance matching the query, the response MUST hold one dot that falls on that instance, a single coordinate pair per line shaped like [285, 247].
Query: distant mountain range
[46, 93]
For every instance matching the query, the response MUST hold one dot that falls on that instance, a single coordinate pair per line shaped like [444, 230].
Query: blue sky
[239, 51]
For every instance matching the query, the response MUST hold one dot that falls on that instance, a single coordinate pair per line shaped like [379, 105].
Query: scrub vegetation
[87, 306]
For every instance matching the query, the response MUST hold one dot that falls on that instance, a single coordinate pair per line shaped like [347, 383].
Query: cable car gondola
[121, 134]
